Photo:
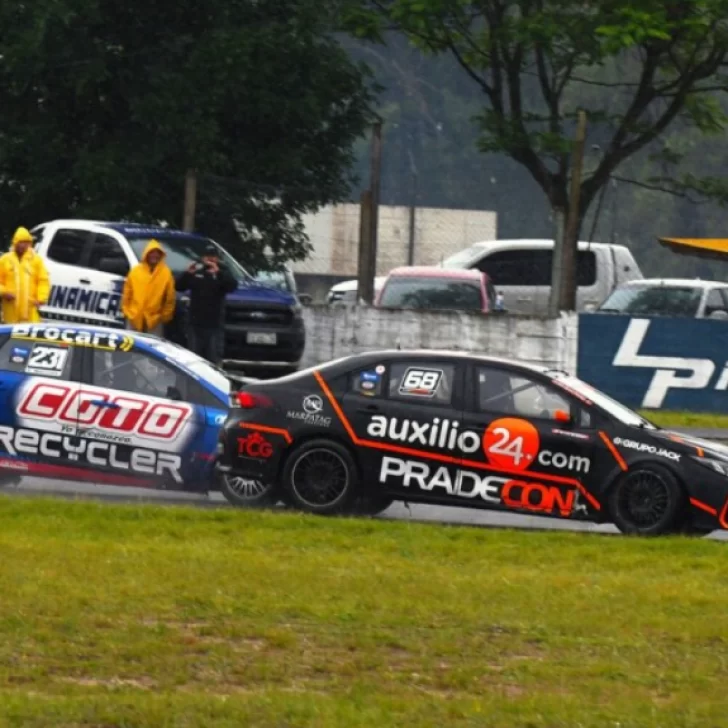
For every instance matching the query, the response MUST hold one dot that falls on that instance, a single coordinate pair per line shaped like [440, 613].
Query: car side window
[714, 302]
[67, 246]
[107, 256]
[35, 358]
[135, 371]
[368, 382]
[422, 382]
[504, 392]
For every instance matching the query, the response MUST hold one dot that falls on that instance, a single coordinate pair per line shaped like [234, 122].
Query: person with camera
[207, 283]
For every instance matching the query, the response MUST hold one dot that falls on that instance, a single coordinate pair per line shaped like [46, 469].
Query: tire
[372, 505]
[647, 500]
[247, 492]
[321, 477]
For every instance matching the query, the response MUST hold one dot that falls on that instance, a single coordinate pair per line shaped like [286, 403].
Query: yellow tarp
[700, 247]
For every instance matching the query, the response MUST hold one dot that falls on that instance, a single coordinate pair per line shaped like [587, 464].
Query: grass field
[685, 419]
[149, 616]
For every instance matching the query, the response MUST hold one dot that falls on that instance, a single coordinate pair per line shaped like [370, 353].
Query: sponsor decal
[220, 419]
[369, 377]
[48, 361]
[512, 493]
[100, 455]
[95, 412]
[644, 447]
[313, 404]
[508, 443]
[19, 355]
[380, 369]
[671, 372]
[13, 465]
[419, 382]
[368, 386]
[573, 435]
[255, 446]
[74, 337]
[103, 303]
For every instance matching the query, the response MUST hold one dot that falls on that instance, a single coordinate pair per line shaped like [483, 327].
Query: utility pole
[188, 224]
[365, 285]
[369, 222]
[566, 224]
[567, 300]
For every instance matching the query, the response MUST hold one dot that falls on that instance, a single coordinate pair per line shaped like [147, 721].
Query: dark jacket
[207, 295]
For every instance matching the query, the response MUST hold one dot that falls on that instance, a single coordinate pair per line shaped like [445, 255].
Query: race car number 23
[47, 360]
[511, 443]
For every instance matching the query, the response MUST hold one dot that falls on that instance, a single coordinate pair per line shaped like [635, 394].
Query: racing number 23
[511, 443]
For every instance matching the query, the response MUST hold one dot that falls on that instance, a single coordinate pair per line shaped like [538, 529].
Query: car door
[535, 437]
[39, 381]
[143, 408]
[406, 416]
[64, 252]
[108, 264]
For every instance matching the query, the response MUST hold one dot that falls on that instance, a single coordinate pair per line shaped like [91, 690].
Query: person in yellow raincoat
[149, 294]
[24, 281]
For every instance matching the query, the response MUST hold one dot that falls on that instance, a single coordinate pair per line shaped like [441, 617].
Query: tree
[105, 105]
[537, 62]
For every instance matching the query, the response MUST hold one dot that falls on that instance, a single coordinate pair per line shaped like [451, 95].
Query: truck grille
[264, 316]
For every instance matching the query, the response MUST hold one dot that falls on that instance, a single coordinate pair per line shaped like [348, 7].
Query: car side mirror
[563, 416]
[305, 299]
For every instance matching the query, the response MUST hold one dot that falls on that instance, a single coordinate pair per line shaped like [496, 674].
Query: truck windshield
[181, 251]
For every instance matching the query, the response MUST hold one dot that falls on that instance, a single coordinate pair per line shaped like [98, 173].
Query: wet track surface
[436, 514]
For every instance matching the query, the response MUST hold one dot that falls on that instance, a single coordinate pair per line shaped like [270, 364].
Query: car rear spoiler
[238, 381]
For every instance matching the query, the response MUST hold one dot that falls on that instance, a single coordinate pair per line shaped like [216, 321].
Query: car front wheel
[647, 500]
[321, 477]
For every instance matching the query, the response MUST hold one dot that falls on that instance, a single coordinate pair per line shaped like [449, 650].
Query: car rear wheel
[321, 477]
[648, 500]
[247, 492]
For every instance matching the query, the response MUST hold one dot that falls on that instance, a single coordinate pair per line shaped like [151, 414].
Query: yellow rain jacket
[25, 278]
[149, 295]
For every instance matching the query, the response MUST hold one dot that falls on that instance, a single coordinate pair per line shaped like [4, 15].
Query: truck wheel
[647, 500]
[321, 477]
[246, 492]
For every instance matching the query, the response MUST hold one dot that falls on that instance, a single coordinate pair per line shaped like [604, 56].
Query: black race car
[437, 427]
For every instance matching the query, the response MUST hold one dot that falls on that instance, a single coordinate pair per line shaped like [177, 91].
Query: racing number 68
[511, 443]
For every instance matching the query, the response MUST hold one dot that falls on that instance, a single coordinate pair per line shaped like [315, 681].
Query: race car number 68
[511, 443]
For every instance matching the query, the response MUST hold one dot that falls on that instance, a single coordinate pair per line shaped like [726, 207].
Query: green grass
[149, 616]
[685, 419]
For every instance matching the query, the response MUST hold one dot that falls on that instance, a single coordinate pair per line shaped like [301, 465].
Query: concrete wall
[332, 332]
[334, 234]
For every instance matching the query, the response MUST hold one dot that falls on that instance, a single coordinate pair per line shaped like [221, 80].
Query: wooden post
[188, 223]
[567, 300]
[365, 286]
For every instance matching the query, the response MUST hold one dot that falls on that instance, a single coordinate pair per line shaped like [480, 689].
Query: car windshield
[609, 405]
[464, 258]
[195, 364]
[654, 300]
[274, 279]
[182, 250]
[432, 293]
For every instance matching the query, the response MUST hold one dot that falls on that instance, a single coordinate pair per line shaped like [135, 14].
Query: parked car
[434, 288]
[88, 261]
[456, 429]
[346, 291]
[521, 270]
[669, 297]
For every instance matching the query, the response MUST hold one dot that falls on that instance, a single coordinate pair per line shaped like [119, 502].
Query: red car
[431, 287]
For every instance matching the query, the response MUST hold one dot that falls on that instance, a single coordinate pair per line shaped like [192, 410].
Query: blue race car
[108, 406]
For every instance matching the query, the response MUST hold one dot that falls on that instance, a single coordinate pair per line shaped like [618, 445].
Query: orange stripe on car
[398, 449]
[699, 450]
[703, 506]
[722, 517]
[271, 430]
[613, 450]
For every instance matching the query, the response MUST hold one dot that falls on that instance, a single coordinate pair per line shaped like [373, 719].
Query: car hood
[711, 448]
[252, 291]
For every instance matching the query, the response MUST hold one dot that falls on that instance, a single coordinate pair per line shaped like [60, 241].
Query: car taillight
[247, 400]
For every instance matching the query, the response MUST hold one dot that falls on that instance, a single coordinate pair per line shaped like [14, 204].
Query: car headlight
[719, 466]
